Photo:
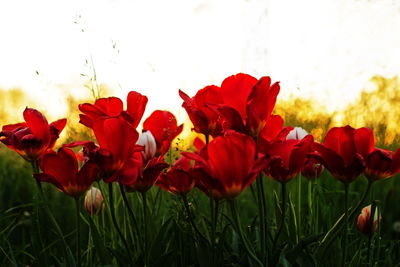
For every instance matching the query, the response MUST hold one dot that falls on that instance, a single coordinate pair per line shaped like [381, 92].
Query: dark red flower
[227, 165]
[247, 103]
[61, 169]
[205, 119]
[178, 179]
[272, 132]
[32, 138]
[312, 170]
[287, 158]
[141, 178]
[342, 152]
[164, 128]
[113, 106]
[382, 164]
[117, 143]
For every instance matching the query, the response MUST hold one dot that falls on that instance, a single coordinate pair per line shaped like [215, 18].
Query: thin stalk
[213, 228]
[283, 191]
[78, 235]
[239, 230]
[346, 216]
[114, 220]
[146, 234]
[35, 169]
[299, 207]
[190, 216]
[310, 203]
[369, 249]
[131, 213]
[261, 211]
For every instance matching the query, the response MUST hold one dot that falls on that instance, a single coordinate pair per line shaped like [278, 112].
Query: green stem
[261, 211]
[283, 191]
[131, 213]
[213, 228]
[299, 207]
[346, 216]
[78, 235]
[239, 230]
[35, 168]
[146, 234]
[114, 220]
[335, 230]
[190, 216]
[310, 203]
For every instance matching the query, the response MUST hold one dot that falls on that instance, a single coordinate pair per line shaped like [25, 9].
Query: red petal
[341, 140]
[38, 124]
[136, 106]
[235, 91]
[364, 140]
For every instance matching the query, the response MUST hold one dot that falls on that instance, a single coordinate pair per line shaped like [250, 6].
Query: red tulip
[364, 221]
[141, 178]
[382, 164]
[178, 179]
[61, 169]
[312, 170]
[287, 158]
[272, 132]
[205, 119]
[248, 102]
[163, 126]
[342, 150]
[116, 138]
[32, 138]
[113, 106]
[227, 165]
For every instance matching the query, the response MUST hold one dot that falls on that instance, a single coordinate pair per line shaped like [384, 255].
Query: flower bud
[93, 201]
[312, 170]
[364, 222]
[147, 140]
[297, 133]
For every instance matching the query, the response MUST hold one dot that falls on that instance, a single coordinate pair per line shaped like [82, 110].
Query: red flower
[138, 178]
[61, 169]
[113, 106]
[342, 150]
[382, 164]
[205, 119]
[248, 103]
[32, 138]
[227, 165]
[178, 179]
[164, 128]
[287, 158]
[312, 170]
[117, 143]
[272, 132]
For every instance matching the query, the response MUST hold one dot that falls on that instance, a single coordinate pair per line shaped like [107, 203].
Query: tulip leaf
[101, 250]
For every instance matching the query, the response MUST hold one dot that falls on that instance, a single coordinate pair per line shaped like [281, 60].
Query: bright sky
[328, 49]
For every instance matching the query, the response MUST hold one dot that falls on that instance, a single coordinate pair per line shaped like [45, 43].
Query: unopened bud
[93, 201]
[147, 140]
[364, 222]
[297, 133]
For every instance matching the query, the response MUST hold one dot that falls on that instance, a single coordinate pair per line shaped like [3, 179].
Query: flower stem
[146, 234]
[283, 191]
[261, 211]
[130, 211]
[239, 230]
[190, 216]
[299, 207]
[78, 235]
[346, 215]
[114, 220]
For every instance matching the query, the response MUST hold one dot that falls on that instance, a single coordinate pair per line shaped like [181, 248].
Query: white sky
[328, 49]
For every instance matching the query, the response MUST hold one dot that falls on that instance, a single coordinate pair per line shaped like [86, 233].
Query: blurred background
[335, 59]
